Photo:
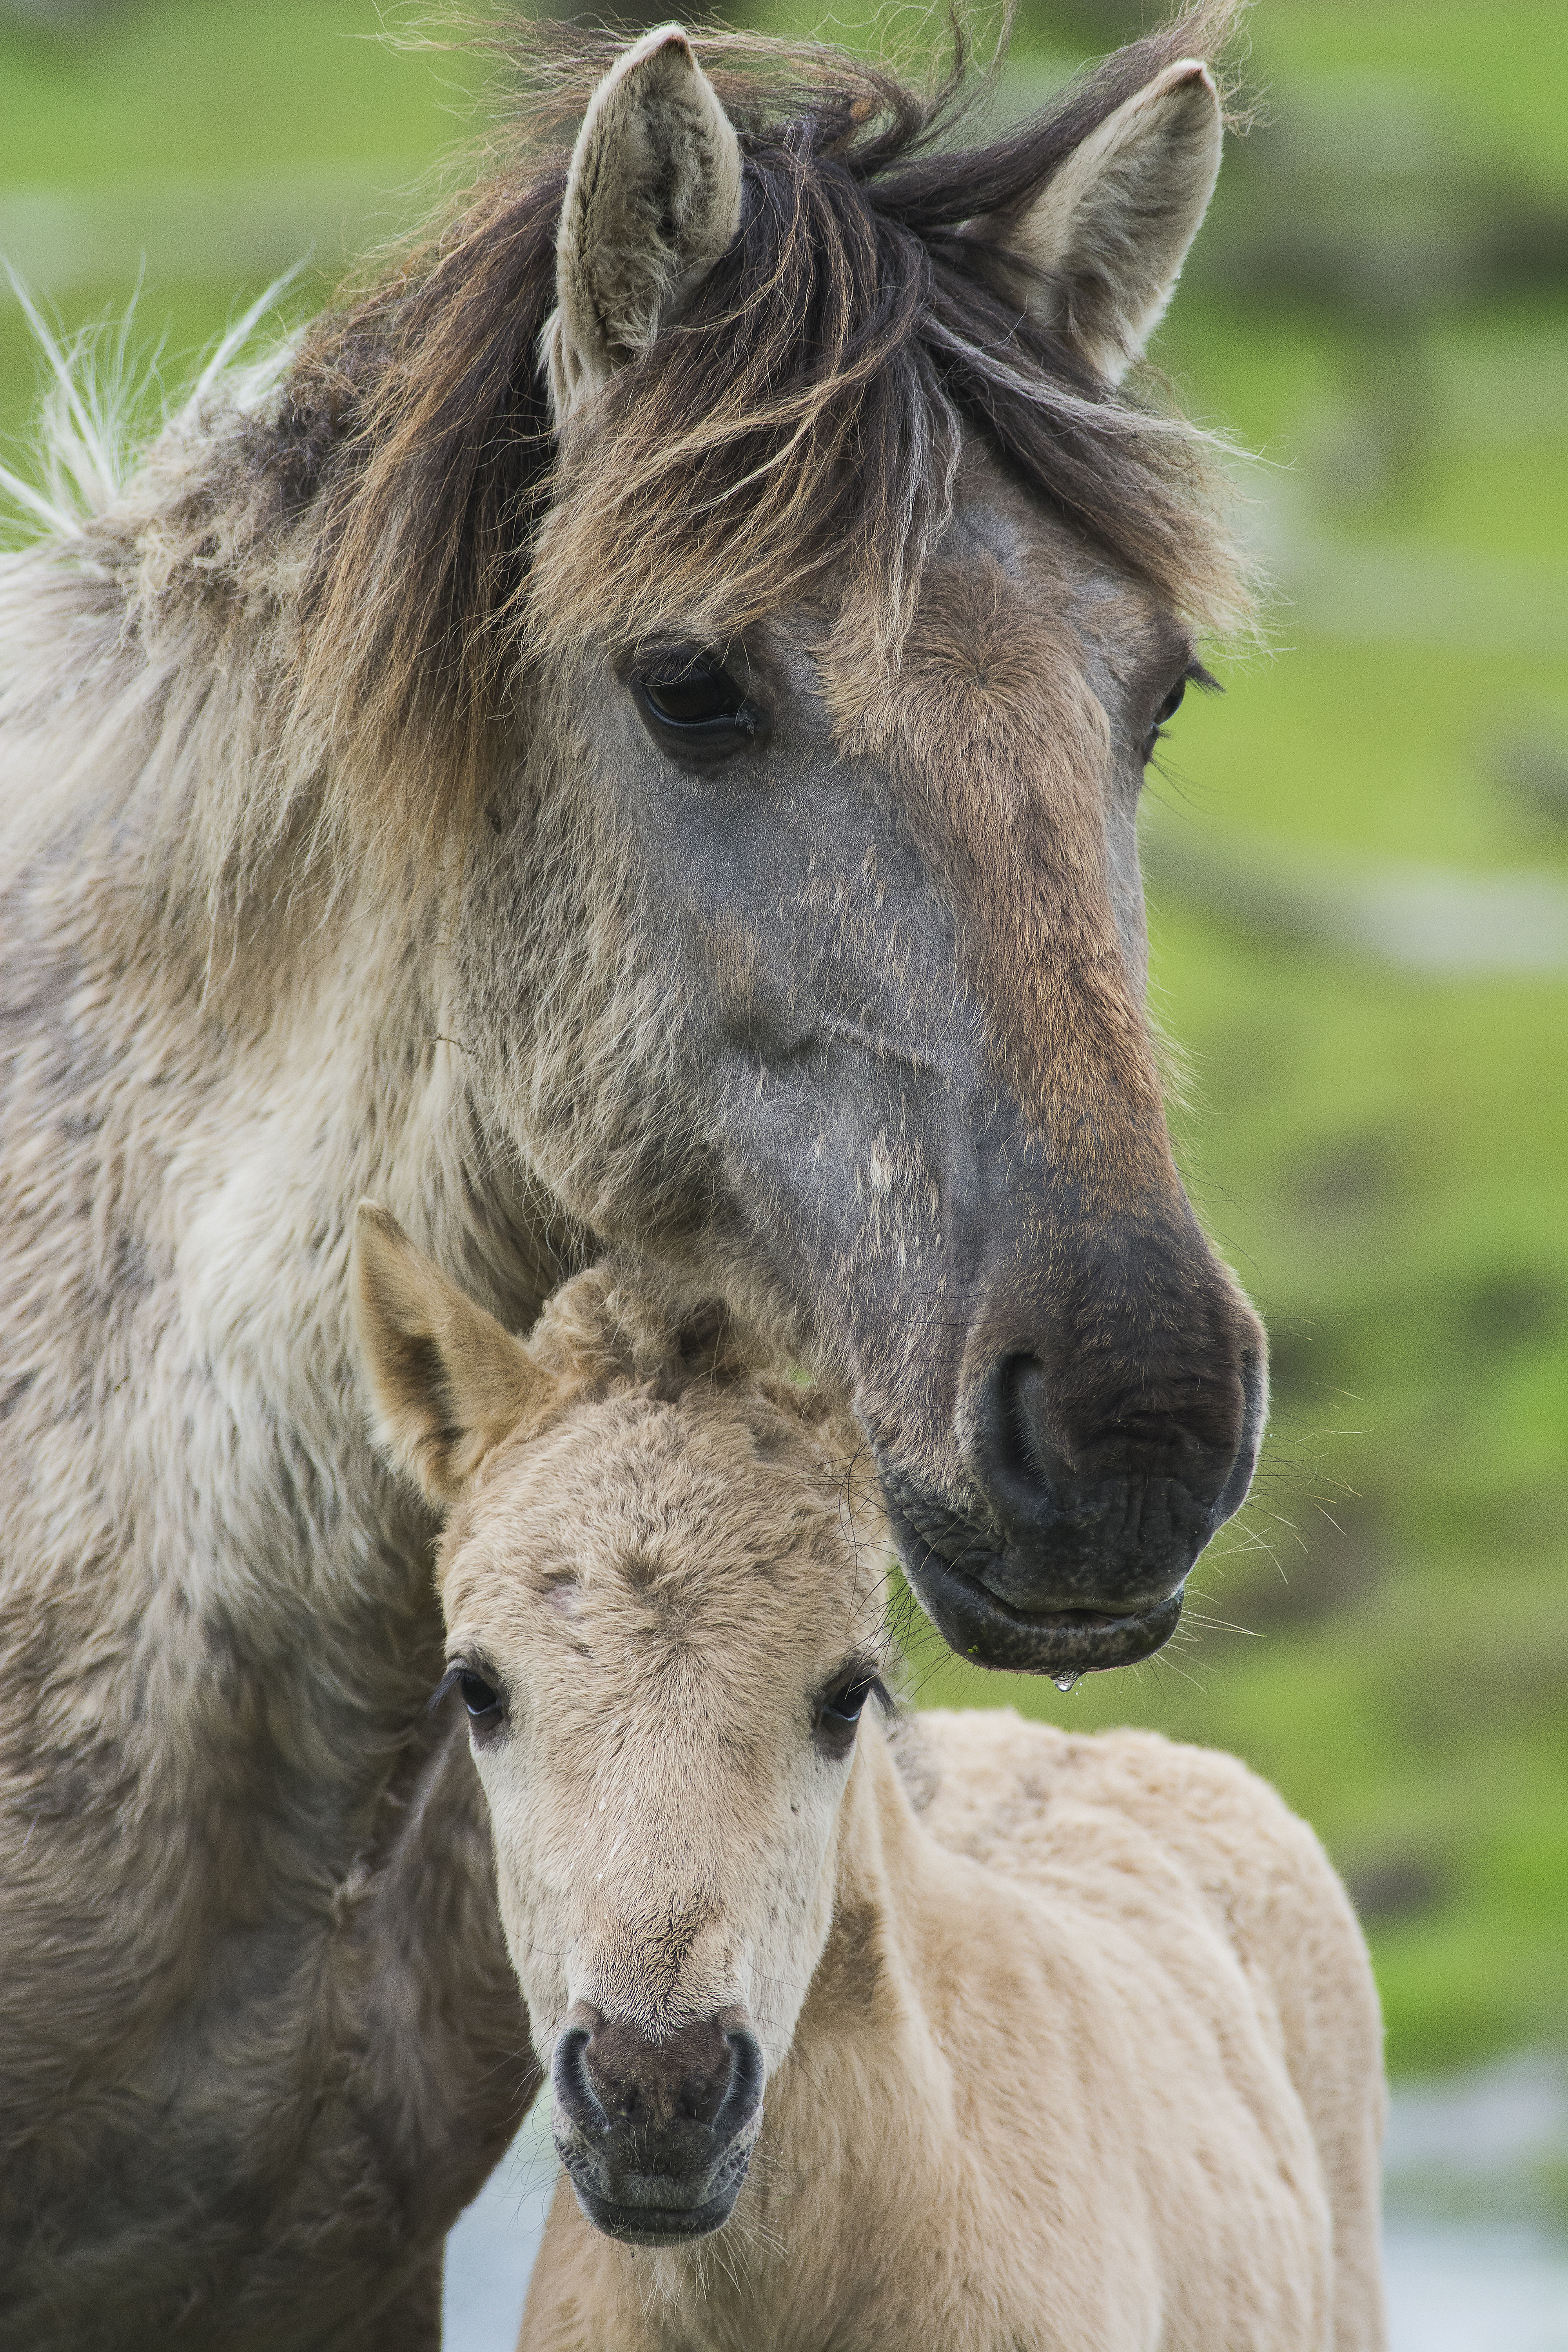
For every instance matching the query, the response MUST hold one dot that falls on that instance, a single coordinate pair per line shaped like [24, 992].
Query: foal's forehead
[634, 1501]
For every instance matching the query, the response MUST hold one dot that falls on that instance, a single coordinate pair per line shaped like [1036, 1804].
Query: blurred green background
[1358, 857]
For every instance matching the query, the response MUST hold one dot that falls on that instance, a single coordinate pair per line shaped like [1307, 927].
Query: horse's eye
[693, 709]
[1194, 675]
[838, 1711]
[478, 1697]
[688, 700]
[1173, 703]
[1168, 709]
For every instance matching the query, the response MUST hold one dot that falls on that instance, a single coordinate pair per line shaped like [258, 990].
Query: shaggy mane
[402, 534]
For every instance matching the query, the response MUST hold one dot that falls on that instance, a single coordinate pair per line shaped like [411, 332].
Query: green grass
[1373, 751]
[181, 88]
[1381, 1156]
[1497, 73]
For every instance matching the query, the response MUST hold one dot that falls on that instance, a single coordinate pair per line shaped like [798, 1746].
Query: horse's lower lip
[1103, 1612]
[977, 1624]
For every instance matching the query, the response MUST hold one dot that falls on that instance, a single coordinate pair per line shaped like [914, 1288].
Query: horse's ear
[653, 199]
[1105, 237]
[449, 1382]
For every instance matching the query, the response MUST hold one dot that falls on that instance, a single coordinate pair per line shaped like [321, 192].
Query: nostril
[744, 2093]
[1020, 1465]
[613, 2081]
[569, 2078]
[1026, 1418]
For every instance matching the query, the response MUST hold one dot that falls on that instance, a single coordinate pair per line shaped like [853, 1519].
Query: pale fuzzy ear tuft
[1110, 228]
[625, 1320]
[653, 200]
[449, 1382]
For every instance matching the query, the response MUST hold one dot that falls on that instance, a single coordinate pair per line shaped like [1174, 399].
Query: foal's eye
[486, 1711]
[839, 1709]
[478, 1697]
[693, 709]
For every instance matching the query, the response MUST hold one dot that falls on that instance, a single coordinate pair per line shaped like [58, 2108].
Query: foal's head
[664, 1631]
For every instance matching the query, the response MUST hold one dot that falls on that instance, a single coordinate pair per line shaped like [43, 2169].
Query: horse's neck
[148, 778]
[189, 1130]
[198, 1541]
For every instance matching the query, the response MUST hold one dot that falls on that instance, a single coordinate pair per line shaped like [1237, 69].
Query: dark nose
[1040, 1441]
[1106, 1489]
[653, 2131]
[610, 2076]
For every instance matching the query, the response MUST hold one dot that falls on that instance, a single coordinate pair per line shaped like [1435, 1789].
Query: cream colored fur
[1072, 2043]
[1090, 2063]
[1108, 233]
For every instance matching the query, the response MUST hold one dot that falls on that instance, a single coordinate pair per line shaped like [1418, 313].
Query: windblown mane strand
[803, 420]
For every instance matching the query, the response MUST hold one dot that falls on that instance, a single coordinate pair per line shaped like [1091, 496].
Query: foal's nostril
[569, 2080]
[612, 2078]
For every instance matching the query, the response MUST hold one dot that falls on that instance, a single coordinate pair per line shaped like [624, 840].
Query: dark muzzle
[1103, 1454]
[656, 2135]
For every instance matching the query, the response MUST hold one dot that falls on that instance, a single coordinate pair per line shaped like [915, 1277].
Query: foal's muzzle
[656, 2135]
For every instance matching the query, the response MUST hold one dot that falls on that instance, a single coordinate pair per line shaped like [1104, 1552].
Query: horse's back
[1114, 1820]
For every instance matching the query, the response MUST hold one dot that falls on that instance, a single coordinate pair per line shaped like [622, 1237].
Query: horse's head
[805, 949]
[663, 1635]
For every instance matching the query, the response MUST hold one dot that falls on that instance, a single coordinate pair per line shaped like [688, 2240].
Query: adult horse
[631, 730]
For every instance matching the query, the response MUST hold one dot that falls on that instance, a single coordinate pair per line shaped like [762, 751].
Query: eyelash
[1194, 675]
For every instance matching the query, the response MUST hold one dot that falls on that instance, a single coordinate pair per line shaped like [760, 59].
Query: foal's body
[1092, 2062]
[1043, 2044]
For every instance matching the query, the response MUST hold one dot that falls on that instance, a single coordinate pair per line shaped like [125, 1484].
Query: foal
[971, 2035]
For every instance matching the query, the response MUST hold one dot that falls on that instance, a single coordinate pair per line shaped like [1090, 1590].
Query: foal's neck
[859, 2126]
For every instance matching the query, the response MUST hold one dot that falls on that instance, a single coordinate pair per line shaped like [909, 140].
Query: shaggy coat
[1068, 2043]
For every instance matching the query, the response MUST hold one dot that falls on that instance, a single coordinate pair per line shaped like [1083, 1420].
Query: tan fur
[1071, 2043]
[414, 1330]
[1005, 753]
[1118, 2090]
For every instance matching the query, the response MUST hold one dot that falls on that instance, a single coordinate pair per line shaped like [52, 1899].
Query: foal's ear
[653, 199]
[1110, 228]
[449, 1382]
